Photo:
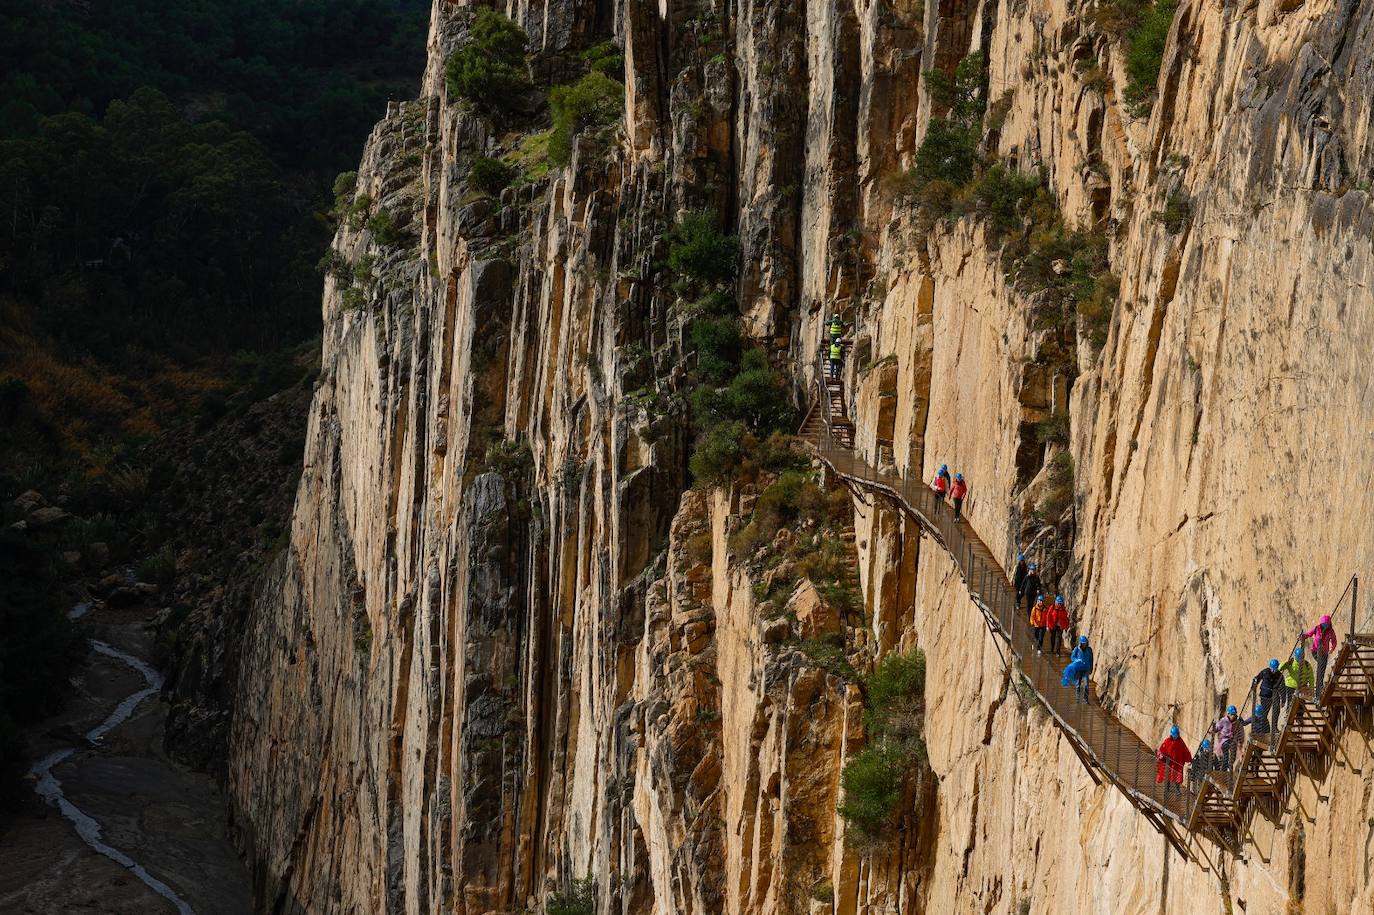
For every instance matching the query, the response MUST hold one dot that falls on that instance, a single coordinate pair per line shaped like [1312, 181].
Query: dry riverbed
[137, 833]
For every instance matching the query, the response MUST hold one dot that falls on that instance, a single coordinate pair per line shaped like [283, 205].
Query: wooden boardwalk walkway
[1217, 806]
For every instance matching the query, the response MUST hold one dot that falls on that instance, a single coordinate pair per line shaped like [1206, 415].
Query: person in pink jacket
[1323, 636]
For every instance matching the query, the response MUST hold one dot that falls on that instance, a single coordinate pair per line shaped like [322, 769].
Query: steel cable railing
[1100, 738]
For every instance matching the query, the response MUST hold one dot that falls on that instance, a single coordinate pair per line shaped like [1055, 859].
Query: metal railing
[1106, 746]
[1100, 739]
[1247, 708]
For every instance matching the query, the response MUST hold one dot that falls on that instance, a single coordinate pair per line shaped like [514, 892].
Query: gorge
[568, 623]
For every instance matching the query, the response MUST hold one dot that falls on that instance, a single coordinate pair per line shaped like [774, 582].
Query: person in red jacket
[940, 486]
[1058, 623]
[957, 492]
[1172, 758]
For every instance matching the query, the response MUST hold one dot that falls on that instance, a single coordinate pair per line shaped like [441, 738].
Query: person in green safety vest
[836, 327]
[836, 358]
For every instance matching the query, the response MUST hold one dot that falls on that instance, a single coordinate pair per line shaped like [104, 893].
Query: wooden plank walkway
[1215, 806]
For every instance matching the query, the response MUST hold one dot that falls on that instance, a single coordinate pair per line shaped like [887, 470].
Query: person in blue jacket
[1083, 657]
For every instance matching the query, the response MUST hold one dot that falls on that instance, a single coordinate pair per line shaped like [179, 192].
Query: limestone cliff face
[489, 662]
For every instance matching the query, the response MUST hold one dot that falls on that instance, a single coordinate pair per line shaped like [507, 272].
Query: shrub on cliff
[961, 94]
[594, 101]
[606, 57]
[578, 899]
[876, 778]
[757, 397]
[1145, 54]
[948, 153]
[1143, 28]
[384, 228]
[703, 257]
[718, 453]
[489, 69]
[717, 342]
[490, 176]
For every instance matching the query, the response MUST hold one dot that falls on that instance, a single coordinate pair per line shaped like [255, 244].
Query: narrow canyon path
[114, 825]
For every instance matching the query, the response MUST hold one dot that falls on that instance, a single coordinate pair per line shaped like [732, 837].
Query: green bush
[873, 780]
[606, 58]
[948, 153]
[718, 453]
[491, 176]
[1053, 428]
[1178, 209]
[898, 679]
[717, 342]
[594, 101]
[511, 459]
[1145, 43]
[1002, 197]
[960, 95]
[384, 228]
[831, 569]
[759, 397]
[489, 68]
[579, 899]
[701, 255]
[828, 653]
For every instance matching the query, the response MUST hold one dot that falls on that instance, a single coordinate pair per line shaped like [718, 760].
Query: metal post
[1354, 598]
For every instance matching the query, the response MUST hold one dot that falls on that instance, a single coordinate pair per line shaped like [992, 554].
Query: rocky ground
[167, 819]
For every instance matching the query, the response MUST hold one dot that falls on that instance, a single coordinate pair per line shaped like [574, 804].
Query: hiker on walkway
[940, 486]
[836, 327]
[1258, 723]
[1058, 625]
[1038, 615]
[1267, 681]
[1019, 575]
[957, 493]
[1173, 755]
[1030, 587]
[1229, 730]
[1083, 656]
[1323, 636]
[836, 358]
[1297, 674]
[1204, 762]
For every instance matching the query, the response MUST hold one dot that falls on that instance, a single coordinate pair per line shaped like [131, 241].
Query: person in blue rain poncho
[1080, 666]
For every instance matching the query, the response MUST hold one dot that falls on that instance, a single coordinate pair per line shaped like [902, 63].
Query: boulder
[814, 617]
[46, 517]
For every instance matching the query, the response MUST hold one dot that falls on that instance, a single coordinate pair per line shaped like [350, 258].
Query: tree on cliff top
[489, 69]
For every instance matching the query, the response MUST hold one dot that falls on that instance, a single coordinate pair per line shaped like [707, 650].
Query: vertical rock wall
[482, 672]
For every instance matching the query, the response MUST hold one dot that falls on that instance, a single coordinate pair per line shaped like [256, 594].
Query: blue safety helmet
[1297, 652]
[959, 477]
[1020, 557]
[1173, 731]
[944, 468]
[1273, 663]
[1205, 745]
[1032, 567]
[1230, 709]
[1259, 708]
[1059, 599]
[1082, 640]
